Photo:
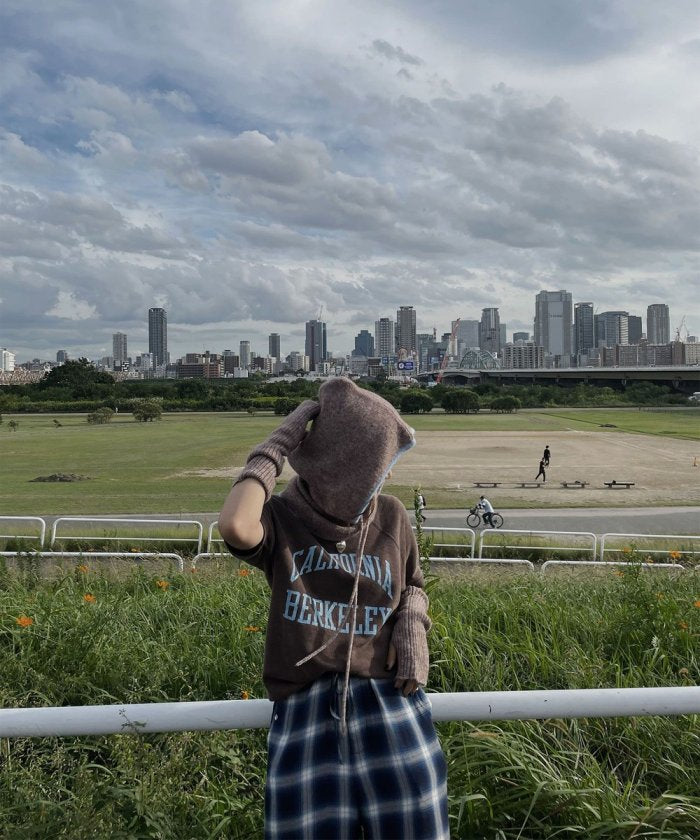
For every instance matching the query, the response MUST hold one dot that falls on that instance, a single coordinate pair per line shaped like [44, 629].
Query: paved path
[664, 520]
[659, 520]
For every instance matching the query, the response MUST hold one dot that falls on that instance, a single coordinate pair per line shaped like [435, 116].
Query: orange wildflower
[697, 604]
[626, 550]
[674, 555]
[24, 621]
[619, 573]
[251, 628]
[162, 584]
[82, 568]
[89, 598]
[245, 695]
[243, 572]
[683, 625]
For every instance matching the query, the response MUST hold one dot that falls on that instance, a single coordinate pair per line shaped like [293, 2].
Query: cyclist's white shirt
[486, 506]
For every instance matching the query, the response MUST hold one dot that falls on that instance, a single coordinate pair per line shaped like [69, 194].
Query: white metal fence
[586, 543]
[36, 521]
[70, 721]
[670, 549]
[144, 525]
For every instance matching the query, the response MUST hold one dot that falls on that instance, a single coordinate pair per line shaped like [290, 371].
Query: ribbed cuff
[410, 636]
[262, 469]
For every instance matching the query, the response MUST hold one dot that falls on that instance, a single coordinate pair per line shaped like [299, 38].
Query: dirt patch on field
[662, 468]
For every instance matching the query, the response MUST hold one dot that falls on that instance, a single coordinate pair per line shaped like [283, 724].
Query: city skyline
[242, 169]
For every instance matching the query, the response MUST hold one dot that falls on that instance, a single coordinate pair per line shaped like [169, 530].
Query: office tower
[634, 329]
[7, 360]
[119, 348]
[521, 336]
[244, 353]
[273, 343]
[525, 354]
[384, 338]
[406, 329]
[315, 348]
[584, 333]
[61, 357]
[553, 323]
[467, 336]
[658, 324]
[611, 328]
[364, 344]
[298, 361]
[490, 330]
[158, 336]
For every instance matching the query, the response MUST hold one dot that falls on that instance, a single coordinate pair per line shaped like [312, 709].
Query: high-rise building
[316, 348]
[274, 346]
[490, 330]
[384, 338]
[231, 361]
[520, 336]
[364, 344]
[658, 324]
[553, 324]
[634, 329]
[406, 329]
[611, 328]
[244, 353]
[158, 336]
[467, 336]
[61, 357]
[7, 360]
[119, 349]
[584, 333]
[525, 354]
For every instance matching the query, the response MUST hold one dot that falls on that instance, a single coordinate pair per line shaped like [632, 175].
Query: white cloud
[70, 308]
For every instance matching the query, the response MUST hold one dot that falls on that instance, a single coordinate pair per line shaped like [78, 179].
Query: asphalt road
[664, 520]
[658, 520]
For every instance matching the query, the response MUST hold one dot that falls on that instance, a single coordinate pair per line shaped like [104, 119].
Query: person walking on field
[542, 472]
[545, 456]
[352, 749]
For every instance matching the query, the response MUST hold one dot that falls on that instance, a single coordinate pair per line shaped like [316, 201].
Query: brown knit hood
[354, 441]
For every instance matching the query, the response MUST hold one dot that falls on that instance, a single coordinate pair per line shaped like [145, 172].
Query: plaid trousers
[383, 777]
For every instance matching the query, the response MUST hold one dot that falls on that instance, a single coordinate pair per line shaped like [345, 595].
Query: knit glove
[410, 636]
[265, 462]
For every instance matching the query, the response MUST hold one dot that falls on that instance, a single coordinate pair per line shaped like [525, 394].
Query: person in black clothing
[545, 456]
[542, 472]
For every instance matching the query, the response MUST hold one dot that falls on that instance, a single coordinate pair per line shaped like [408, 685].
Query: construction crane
[446, 357]
[679, 328]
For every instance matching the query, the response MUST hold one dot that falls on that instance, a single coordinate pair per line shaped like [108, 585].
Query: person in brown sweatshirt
[352, 748]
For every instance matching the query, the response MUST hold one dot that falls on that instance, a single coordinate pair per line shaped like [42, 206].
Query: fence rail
[603, 564]
[71, 721]
[674, 541]
[85, 520]
[431, 531]
[134, 556]
[484, 542]
[40, 537]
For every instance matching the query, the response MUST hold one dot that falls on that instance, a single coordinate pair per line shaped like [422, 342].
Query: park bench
[619, 483]
[576, 483]
[530, 484]
[486, 483]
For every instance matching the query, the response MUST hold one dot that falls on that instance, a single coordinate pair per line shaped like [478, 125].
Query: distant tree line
[78, 386]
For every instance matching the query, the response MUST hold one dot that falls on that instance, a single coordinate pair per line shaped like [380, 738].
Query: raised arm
[239, 520]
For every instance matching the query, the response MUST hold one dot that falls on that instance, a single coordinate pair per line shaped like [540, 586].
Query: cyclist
[487, 508]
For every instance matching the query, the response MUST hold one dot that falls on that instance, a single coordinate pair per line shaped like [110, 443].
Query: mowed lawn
[146, 467]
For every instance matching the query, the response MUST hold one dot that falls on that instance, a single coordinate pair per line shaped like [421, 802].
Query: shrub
[285, 405]
[416, 402]
[460, 401]
[505, 404]
[101, 415]
[145, 410]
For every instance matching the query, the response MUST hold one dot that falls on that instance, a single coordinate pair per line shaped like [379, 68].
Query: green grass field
[137, 467]
[147, 638]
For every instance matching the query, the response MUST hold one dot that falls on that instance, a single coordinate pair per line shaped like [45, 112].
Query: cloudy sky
[244, 162]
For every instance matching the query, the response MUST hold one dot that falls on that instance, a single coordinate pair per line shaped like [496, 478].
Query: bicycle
[475, 518]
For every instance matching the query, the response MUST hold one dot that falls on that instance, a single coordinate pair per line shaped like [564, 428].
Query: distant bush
[102, 415]
[460, 401]
[416, 402]
[286, 405]
[147, 410]
[505, 405]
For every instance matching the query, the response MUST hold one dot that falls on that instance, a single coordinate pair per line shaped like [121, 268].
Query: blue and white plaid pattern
[384, 778]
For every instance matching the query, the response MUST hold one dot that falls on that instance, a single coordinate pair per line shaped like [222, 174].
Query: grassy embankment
[201, 636]
[141, 467]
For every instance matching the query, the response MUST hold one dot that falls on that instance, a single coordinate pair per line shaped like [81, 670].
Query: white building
[7, 360]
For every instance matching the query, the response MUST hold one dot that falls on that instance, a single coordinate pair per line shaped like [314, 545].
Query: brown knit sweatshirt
[311, 582]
